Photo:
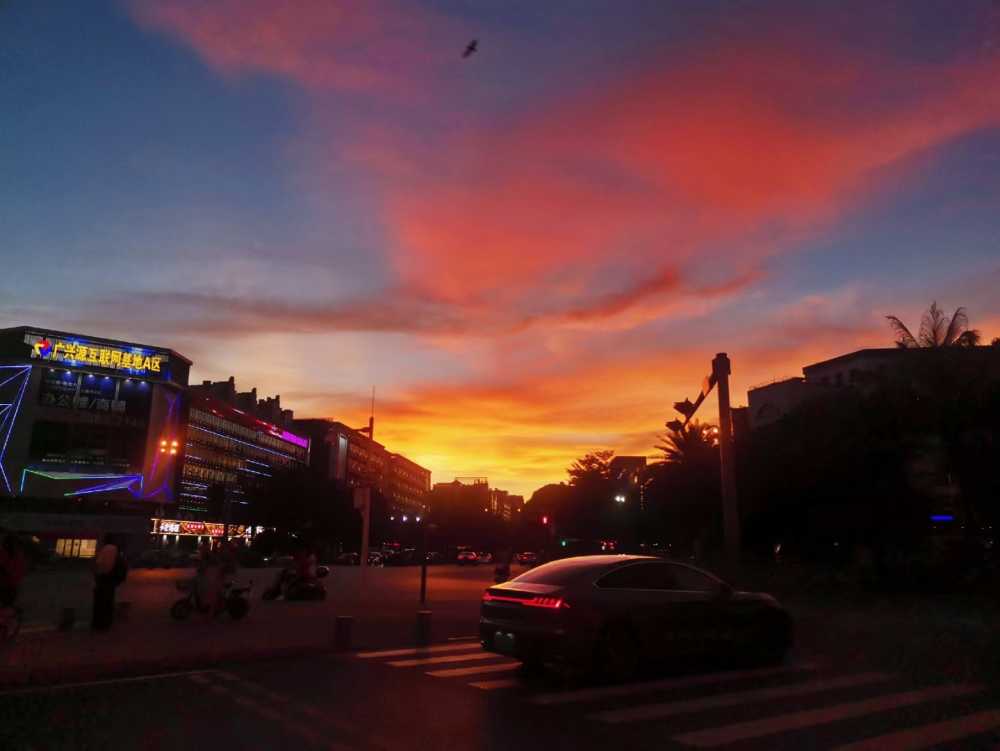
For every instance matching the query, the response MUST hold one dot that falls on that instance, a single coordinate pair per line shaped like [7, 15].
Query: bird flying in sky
[472, 47]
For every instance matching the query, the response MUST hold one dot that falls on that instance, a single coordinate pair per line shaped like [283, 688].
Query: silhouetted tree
[591, 468]
[936, 330]
[693, 443]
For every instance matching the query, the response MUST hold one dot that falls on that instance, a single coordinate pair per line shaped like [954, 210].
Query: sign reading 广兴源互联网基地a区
[81, 352]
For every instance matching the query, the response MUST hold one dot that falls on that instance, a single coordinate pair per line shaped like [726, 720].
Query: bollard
[342, 632]
[67, 620]
[423, 627]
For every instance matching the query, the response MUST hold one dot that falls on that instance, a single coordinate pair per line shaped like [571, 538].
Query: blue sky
[530, 253]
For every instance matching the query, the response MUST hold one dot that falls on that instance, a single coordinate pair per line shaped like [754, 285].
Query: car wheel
[771, 637]
[617, 653]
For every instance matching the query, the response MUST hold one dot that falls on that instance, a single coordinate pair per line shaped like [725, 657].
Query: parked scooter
[291, 587]
[235, 600]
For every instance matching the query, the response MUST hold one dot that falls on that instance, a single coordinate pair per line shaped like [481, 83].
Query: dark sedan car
[615, 612]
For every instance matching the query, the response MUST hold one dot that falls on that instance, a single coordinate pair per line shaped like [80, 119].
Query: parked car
[347, 559]
[617, 612]
[434, 557]
[484, 557]
[467, 558]
[527, 558]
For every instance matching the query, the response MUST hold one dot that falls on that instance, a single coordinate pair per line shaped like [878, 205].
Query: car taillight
[554, 603]
[551, 603]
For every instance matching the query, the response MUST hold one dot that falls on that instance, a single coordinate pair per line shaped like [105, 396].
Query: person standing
[13, 567]
[109, 571]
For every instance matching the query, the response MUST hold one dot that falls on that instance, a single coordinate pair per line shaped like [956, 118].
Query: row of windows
[242, 432]
[207, 474]
[236, 446]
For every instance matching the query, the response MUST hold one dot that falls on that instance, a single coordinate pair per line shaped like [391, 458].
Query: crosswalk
[733, 707]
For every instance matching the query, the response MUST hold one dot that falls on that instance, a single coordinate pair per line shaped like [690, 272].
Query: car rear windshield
[559, 572]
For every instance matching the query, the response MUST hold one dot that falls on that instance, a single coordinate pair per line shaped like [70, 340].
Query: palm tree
[936, 330]
[690, 444]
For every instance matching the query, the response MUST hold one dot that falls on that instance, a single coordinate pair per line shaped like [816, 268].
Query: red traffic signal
[545, 520]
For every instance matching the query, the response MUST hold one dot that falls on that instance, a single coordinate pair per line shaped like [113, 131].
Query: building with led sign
[90, 422]
[229, 456]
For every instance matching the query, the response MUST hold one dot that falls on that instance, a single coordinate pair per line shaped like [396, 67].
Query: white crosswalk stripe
[607, 692]
[443, 659]
[690, 706]
[414, 651]
[475, 670]
[711, 695]
[742, 731]
[494, 685]
[925, 736]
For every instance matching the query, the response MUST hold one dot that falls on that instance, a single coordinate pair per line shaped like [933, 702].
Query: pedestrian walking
[110, 570]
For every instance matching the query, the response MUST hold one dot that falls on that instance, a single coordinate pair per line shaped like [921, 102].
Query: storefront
[171, 532]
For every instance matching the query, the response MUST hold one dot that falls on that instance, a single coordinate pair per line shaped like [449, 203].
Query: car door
[630, 593]
[700, 601]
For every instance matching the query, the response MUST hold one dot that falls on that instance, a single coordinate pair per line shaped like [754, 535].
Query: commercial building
[409, 484]
[349, 457]
[229, 456]
[91, 435]
[504, 504]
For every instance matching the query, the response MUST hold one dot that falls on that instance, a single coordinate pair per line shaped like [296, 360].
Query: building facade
[409, 484]
[91, 434]
[350, 458]
[229, 456]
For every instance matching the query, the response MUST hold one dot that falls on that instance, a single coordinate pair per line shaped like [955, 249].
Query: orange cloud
[704, 167]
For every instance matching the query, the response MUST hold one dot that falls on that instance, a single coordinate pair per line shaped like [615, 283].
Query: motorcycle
[235, 600]
[290, 586]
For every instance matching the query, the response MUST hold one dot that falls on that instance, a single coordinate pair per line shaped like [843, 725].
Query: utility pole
[423, 563]
[721, 369]
[363, 503]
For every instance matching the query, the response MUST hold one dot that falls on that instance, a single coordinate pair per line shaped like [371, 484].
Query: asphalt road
[454, 696]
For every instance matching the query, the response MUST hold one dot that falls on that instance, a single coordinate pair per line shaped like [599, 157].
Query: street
[390, 694]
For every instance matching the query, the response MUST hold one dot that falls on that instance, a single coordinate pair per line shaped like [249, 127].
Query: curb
[55, 676]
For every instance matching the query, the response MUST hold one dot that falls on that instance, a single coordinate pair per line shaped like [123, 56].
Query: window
[690, 580]
[557, 572]
[653, 575]
[68, 548]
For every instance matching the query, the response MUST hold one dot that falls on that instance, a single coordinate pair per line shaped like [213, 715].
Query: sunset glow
[530, 253]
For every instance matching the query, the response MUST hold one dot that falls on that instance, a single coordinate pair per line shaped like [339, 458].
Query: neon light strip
[106, 488]
[244, 443]
[262, 474]
[77, 475]
[25, 371]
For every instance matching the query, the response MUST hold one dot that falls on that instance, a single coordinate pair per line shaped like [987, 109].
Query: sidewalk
[149, 640]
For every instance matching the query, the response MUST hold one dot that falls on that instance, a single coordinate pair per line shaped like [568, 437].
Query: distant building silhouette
[348, 456]
[267, 409]
[769, 402]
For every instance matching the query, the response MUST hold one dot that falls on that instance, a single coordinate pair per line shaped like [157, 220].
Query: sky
[529, 253]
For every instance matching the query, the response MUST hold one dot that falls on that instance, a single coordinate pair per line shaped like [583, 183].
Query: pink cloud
[355, 45]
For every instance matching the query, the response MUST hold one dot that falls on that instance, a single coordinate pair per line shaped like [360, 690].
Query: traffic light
[686, 408]
[545, 520]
